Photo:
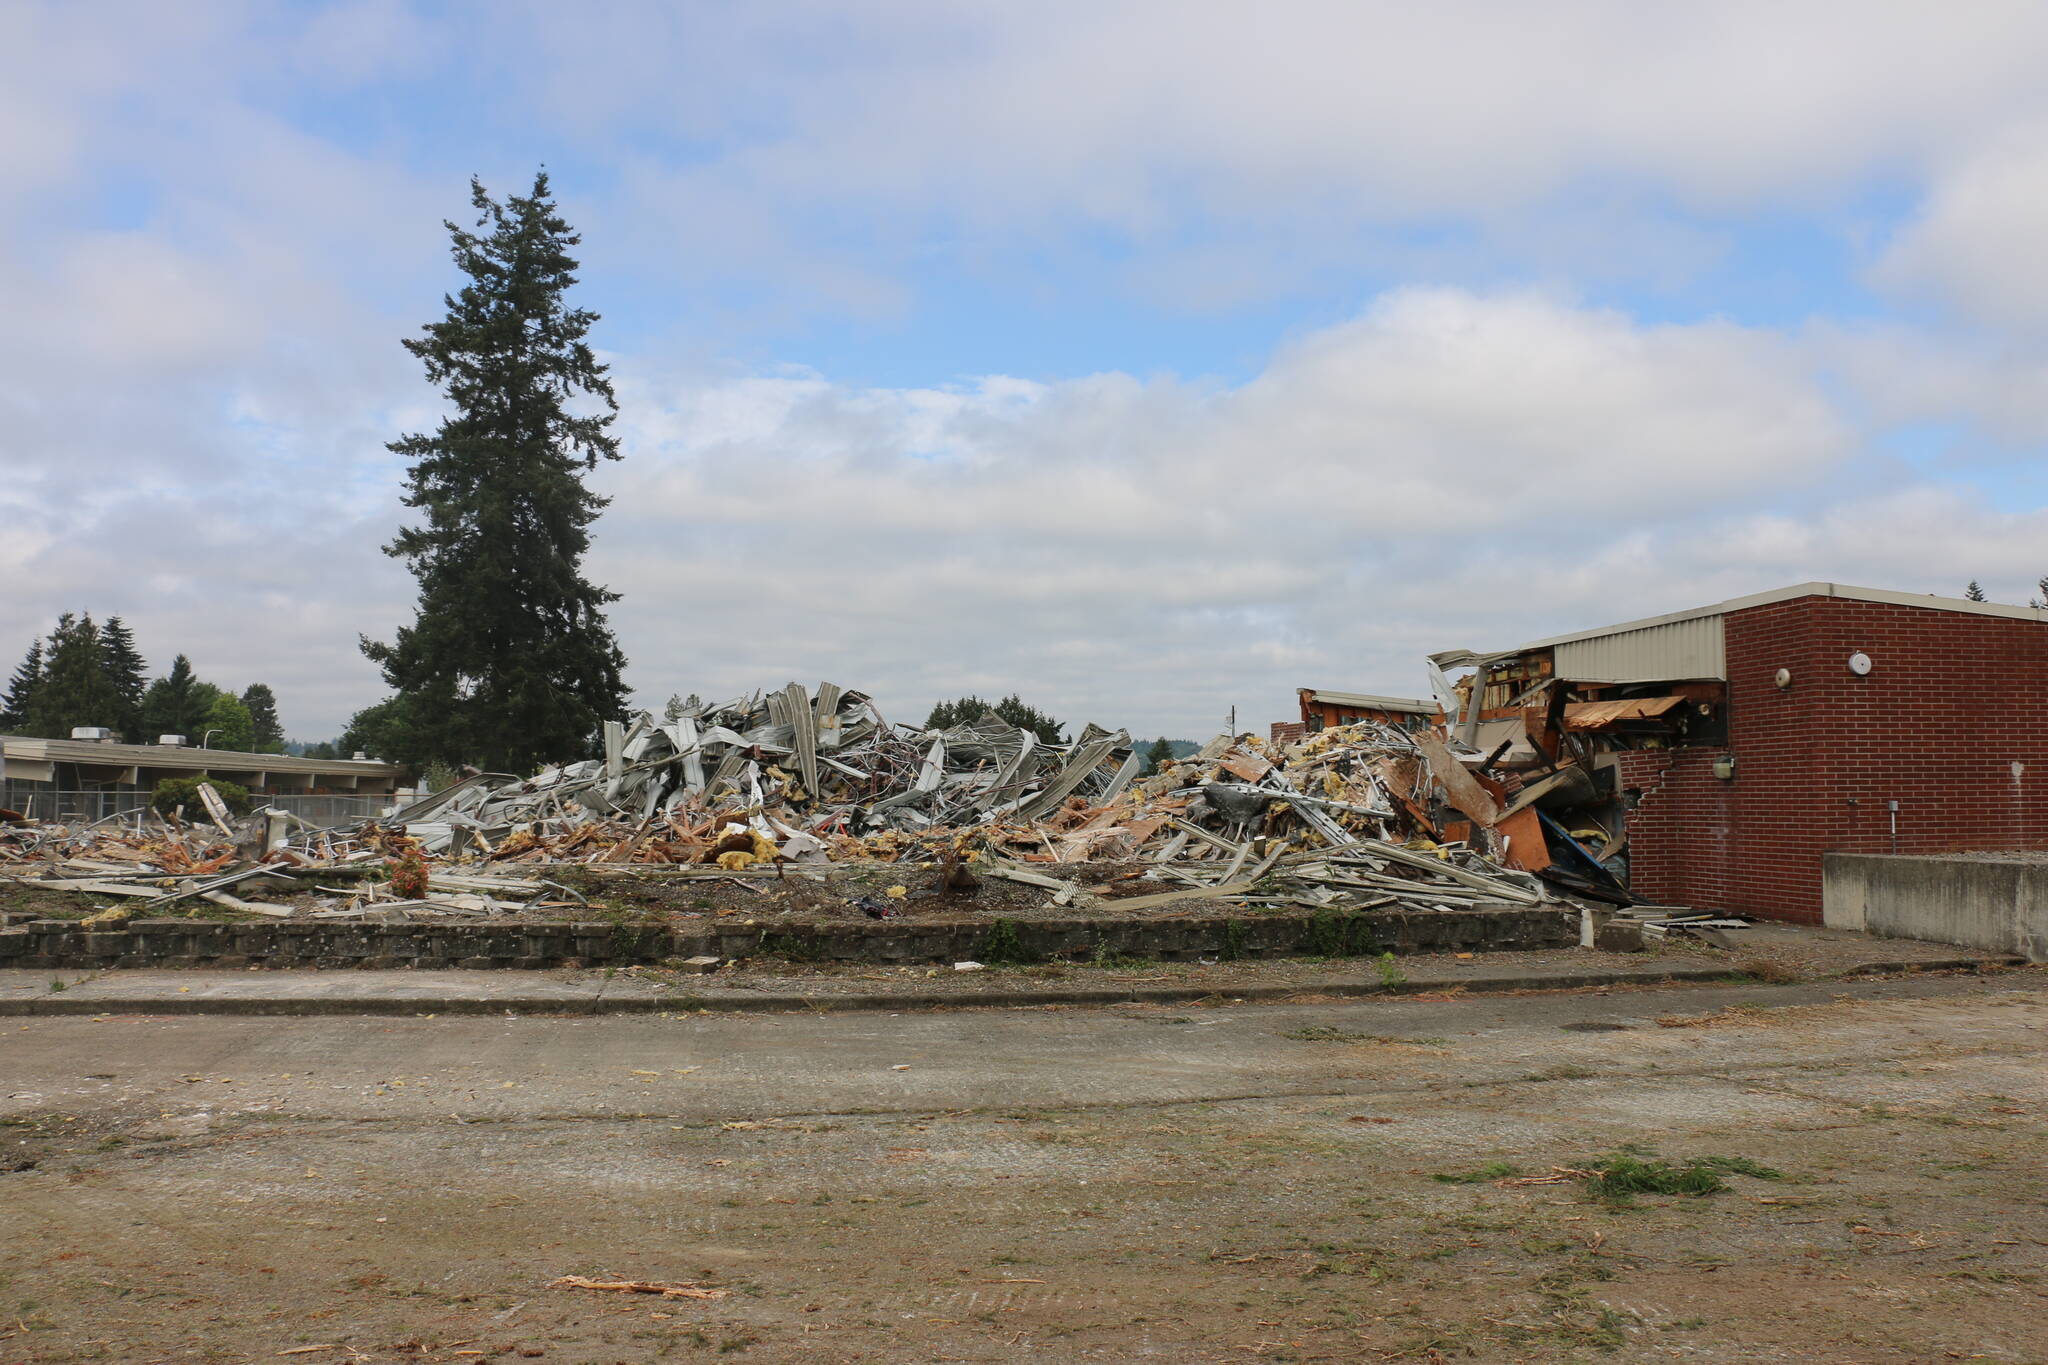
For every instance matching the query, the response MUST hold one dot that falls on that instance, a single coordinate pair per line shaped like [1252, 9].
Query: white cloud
[1000, 114]
[1446, 468]
[1976, 244]
[209, 257]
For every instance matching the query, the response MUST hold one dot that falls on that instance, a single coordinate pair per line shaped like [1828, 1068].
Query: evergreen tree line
[1974, 591]
[84, 673]
[1012, 708]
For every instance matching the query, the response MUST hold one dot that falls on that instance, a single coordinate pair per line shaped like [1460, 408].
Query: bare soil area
[1141, 1183]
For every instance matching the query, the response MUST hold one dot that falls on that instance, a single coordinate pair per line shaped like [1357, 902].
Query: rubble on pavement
[797, 782]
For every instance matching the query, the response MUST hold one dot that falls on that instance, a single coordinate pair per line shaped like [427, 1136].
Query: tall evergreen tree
[75, 689]
[1159, 755]
[509, 662]
[21, 688]
[127, 672]
[262, 705]
[1973, 592]
[177, 703]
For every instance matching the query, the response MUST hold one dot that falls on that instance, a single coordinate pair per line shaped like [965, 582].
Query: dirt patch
[1158, 1186]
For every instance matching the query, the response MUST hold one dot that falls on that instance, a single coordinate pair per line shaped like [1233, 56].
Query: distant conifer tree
[21, 689]
[129, 674]
[1973, 592]
[177, 703]
[267, 732]
[75, 689]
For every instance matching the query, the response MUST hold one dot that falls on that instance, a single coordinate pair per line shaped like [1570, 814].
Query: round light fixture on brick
[1784, 678]
[1859, 663]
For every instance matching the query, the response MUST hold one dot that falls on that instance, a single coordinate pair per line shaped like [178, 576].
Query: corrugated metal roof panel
[1694, 647]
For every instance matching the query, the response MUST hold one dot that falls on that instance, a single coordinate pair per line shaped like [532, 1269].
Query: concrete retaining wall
[1980, 901]
[523, 944]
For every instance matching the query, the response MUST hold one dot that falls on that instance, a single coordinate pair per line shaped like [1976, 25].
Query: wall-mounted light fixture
[1784, 678]
[1724, 767]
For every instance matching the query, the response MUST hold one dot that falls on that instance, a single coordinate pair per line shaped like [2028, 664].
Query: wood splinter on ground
[667, 1291]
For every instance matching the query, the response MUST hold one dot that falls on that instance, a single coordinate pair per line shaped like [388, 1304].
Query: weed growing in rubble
[629, 940]
[790, 947]
[1339, 933]
[1002, 944]
[1106, 956]
[1233, 941]
[1390, 971]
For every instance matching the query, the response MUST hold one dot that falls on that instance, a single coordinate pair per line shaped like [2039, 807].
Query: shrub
[174, 792]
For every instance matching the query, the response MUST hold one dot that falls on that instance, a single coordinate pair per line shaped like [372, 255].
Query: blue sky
[1144, 358]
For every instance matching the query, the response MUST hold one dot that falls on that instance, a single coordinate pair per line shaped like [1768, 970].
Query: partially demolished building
[1711, 757]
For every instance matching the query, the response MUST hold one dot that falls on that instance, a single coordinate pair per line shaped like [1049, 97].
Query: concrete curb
[684, 1002]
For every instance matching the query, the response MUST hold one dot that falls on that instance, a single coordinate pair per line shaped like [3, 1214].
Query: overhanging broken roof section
[1598, 715]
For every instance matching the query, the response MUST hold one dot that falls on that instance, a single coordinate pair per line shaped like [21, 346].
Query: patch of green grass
[1623, 1176]
[1492, 1170]
[1620, 1176]
[1323, 1033]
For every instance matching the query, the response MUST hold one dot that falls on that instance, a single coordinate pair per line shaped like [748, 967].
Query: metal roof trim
[164, 756]
[1763, 599]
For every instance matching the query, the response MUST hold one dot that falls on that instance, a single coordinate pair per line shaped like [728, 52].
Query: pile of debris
[156, 864]
[825, 766]
[790, 783]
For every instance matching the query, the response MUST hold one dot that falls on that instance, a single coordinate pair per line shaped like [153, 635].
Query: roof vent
[171, 741]
[98, 734]
[360, 757]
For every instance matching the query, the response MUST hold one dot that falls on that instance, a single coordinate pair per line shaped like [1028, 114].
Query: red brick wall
[1952, 701]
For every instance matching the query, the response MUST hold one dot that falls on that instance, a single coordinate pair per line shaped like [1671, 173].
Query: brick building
[1813, 719]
